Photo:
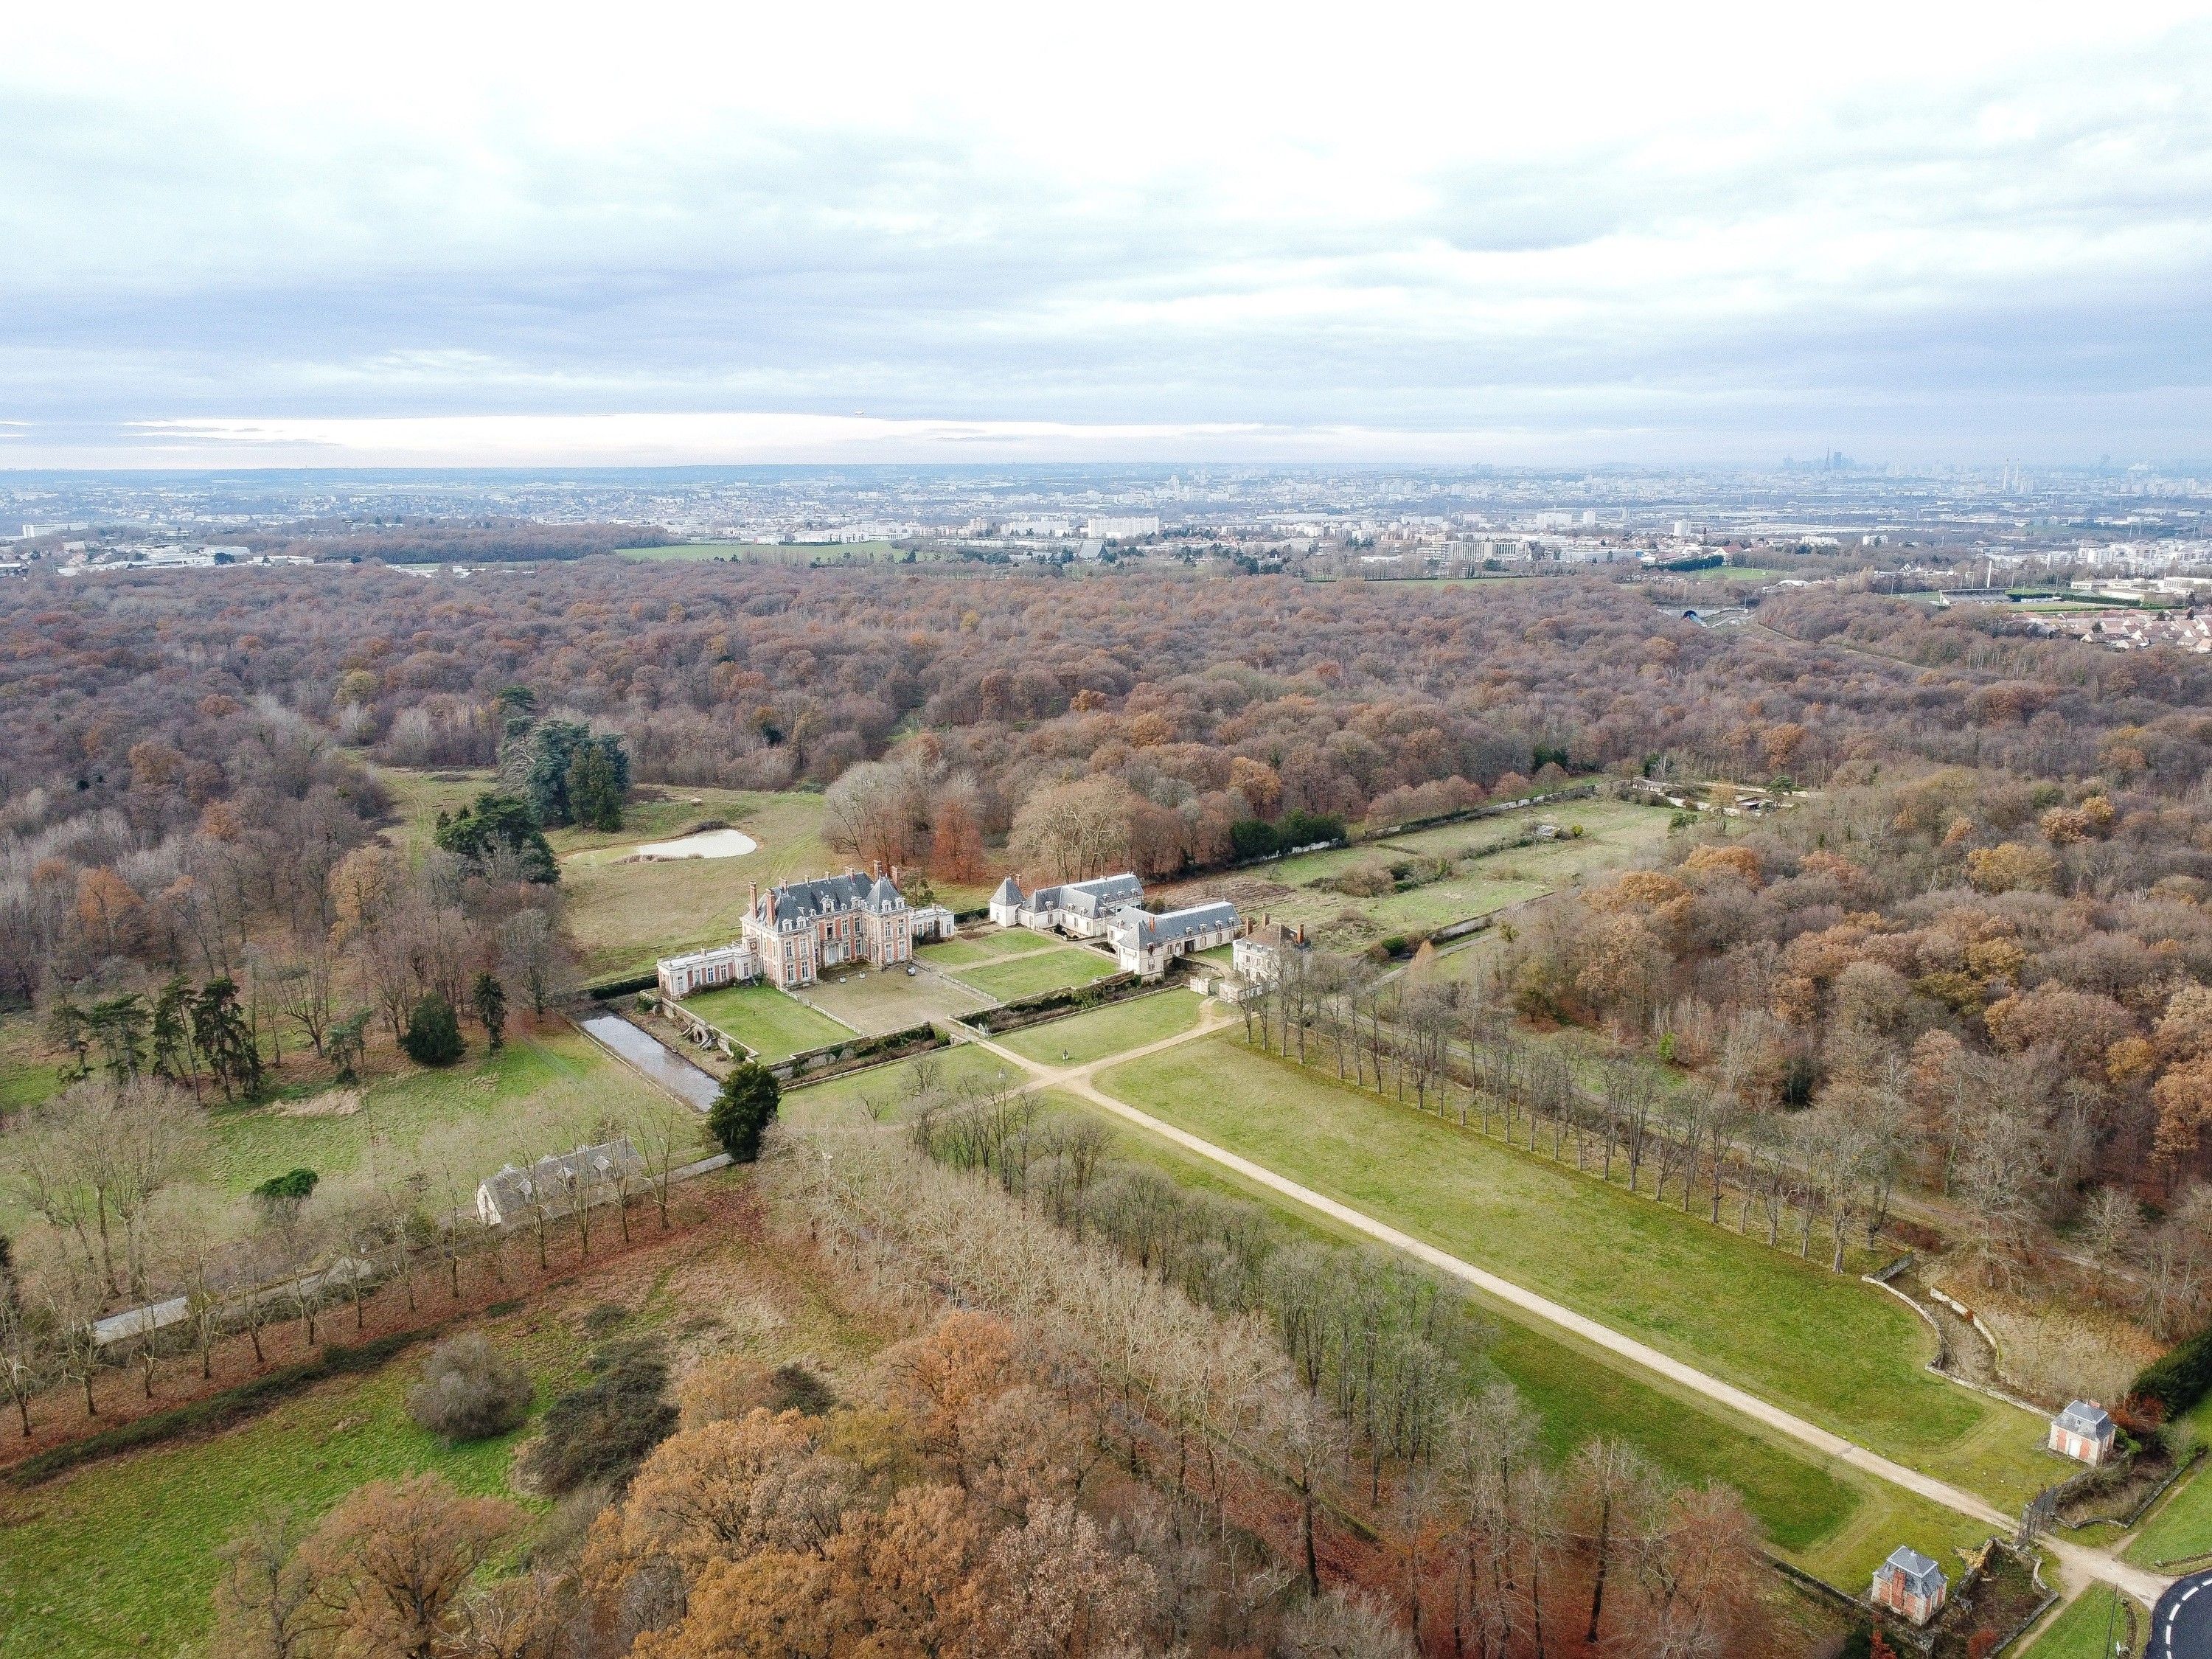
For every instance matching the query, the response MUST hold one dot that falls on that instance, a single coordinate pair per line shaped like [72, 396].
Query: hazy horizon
[1431, 237]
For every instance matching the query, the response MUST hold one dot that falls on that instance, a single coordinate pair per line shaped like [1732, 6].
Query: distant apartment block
[1121, 529]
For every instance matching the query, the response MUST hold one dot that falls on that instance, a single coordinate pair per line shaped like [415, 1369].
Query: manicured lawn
[123, 1552]
[1041, 970]
[768, 1022]
[2081, 1628]
[1109, 1030]
[1819, 1344]
[1831, 1520]
[958, 953]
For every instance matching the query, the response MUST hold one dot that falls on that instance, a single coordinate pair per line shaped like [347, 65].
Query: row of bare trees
[1321, 1390]
[116, 1169]
[1447, 1048]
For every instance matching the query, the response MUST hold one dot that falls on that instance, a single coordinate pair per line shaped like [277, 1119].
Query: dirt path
[2078, 1563]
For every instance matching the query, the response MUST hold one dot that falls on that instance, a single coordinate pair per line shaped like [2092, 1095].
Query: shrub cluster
[469, 1391]
[602, 1430]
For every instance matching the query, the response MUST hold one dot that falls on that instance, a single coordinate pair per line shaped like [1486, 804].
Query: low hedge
[1050, 1005]
[811, 1065]
[2180, 1378]
[623, 988]
[217, 1410]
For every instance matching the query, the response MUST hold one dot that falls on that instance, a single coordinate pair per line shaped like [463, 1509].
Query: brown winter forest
[1957, 993]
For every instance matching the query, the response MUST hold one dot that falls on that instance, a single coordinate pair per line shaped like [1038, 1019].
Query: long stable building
[1111, 907]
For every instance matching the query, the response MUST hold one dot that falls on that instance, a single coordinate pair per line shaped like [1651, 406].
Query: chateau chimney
[894, 873]
[752, 898]
[876, 868]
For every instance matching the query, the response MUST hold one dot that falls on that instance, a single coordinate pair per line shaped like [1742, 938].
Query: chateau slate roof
[1173, 925]
[805, 901]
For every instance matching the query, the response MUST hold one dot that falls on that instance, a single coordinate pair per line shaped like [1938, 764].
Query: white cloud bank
[1443, 232]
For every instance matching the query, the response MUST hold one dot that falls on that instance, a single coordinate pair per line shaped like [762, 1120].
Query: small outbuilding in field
[1910, 1584]
[2084, 1431]
[559, 1183]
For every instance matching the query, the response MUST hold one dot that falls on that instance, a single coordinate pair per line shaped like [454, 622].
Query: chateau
[795, 931]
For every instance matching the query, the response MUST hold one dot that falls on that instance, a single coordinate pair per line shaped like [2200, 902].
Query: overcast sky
[640, 233]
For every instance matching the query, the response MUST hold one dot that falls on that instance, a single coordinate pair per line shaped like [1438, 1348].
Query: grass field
[2082, 1629]
[28, 1074]
[882, 1092]
[1819, 1344]
[120, 1557]
[1731, 572]
[956, 954]
[1614, 834]
[1040, 971]
[1110, 1030]
[773, 1025]
[123, 1553]
[1830, 1520]
[2181, 1525]
[542, 1089]
[626, 915]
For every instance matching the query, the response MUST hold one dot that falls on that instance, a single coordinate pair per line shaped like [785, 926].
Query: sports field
[773, 1025]
[1820, 1345]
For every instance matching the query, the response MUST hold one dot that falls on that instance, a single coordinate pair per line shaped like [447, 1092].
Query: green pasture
[1819, 1344]
[1827, 1518]
[542, 1092]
